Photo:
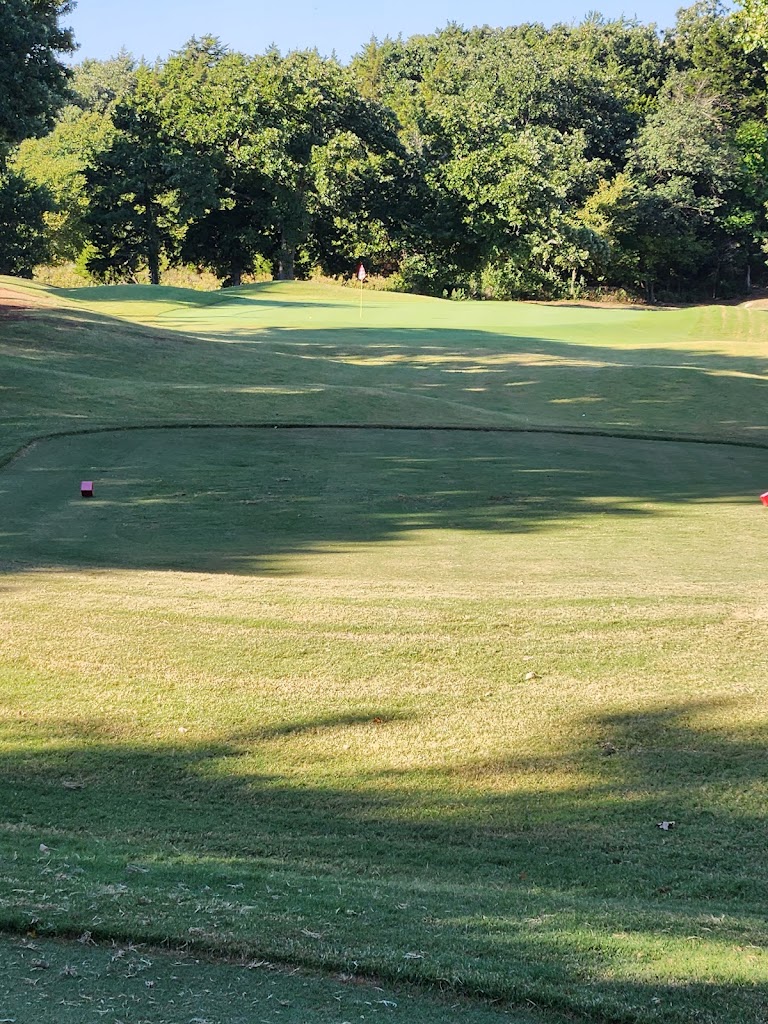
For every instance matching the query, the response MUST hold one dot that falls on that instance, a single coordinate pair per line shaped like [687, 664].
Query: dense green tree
[522, 161]
[629, 58]
[666, 218]
[212, 110]
[23, 242]
[302, 165]
[363, 202]
[706, 45]
[134, 189]
[753, 27]
[511, 134]
[747, 215]
[313, 114]
[33, 83]
[99, 85]
[83, 130]
[58, 162]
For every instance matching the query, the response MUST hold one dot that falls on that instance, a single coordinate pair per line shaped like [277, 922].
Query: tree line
[520, 162]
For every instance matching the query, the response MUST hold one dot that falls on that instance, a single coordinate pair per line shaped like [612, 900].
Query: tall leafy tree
[295, 154]
[312, 114]
[134, 189]
[747, 215]
[523, 161]
[83, 130]
[212, 109]
[510, 132]
[667, 215]
[33, 82]
[707, 46]
[33, 85]
[23, 242]
[753, 27]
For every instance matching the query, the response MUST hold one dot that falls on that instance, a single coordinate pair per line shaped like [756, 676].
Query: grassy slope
[316, 741]
[293, 352]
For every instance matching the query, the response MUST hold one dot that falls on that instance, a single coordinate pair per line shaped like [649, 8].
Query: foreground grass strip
[81, 980]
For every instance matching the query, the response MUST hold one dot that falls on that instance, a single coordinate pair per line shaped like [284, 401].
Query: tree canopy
[514, 162]
[33, 82]
[33, 86]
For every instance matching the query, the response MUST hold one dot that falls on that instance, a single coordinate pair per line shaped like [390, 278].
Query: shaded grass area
[537, 873]
[245, 501]
[71, 982]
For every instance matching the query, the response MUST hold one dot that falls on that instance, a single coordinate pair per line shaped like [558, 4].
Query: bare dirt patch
[15, 303]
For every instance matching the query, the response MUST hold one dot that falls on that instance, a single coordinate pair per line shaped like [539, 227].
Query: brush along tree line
[515, 162]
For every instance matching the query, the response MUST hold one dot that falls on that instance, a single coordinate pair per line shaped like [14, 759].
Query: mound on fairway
[403, 703]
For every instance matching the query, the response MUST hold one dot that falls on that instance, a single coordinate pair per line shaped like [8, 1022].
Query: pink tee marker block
[764, 498]
[86, 489]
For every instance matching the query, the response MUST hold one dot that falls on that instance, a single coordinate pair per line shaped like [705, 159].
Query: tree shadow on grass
[244, 501]
[478, 876]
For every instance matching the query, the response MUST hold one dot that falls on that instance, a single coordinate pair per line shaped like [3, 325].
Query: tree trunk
[154, 267]
[286, 259]
[235, 278]
[153, 248]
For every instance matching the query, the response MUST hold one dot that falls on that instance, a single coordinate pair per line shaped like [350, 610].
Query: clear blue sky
[152, 28]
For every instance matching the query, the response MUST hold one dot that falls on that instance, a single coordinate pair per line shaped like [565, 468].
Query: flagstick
[361, 298]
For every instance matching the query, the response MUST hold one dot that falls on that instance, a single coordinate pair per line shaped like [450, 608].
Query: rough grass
[402, 704]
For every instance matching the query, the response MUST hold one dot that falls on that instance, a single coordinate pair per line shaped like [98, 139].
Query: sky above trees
[151, 29]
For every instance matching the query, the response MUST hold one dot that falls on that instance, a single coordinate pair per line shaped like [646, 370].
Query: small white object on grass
[665, 826]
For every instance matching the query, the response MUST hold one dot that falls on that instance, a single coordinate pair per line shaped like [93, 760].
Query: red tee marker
[86, 489]
[764, 498]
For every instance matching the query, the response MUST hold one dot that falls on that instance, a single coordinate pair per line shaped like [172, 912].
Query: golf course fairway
[386, 644]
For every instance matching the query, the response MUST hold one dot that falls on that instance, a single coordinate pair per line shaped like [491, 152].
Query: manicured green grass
[405, 704]
[300, 353]
[69, 982]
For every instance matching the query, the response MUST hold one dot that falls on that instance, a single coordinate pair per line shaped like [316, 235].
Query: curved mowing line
[557, 431]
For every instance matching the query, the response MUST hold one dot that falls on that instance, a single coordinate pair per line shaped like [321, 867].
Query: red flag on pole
[361, 274]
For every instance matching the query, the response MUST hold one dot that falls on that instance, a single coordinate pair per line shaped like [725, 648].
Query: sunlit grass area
[408, 705]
